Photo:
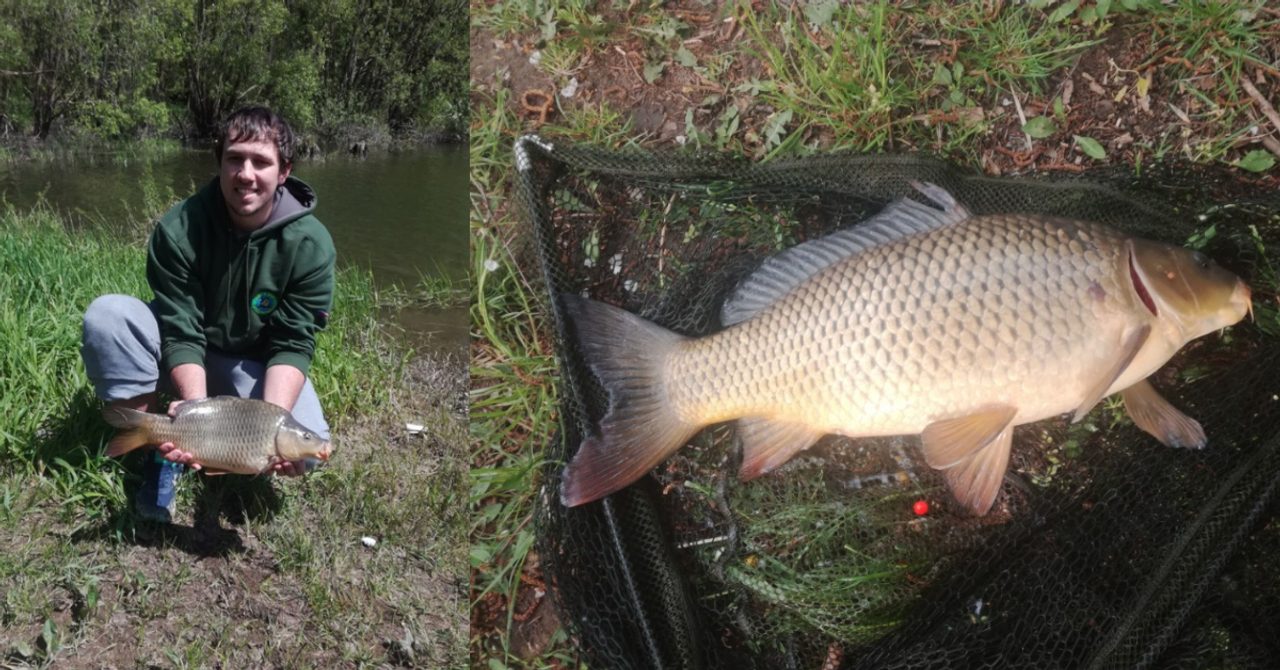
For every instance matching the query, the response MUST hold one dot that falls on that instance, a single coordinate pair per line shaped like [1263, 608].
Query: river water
[402, 215]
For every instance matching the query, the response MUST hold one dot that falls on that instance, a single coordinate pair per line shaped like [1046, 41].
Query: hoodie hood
[294, 199]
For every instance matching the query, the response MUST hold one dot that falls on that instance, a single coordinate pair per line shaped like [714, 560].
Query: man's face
[248, 176]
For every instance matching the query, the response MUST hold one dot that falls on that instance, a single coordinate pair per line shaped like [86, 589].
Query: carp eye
[1201, 260]
[308, 436]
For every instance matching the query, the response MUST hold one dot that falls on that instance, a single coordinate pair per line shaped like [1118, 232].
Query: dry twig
[1022, 120]
[1267, 110]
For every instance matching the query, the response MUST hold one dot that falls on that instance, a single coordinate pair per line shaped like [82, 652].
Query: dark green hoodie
[262, 295]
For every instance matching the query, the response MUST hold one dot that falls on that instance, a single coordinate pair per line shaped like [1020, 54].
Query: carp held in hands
[223, 434]
[936, 322]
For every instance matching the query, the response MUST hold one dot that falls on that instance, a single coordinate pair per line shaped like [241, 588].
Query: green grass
[439, 290]
[852, 575]
[89, 149]
[837, 76]
[256, 571]
[1215, 48]
[513, 399]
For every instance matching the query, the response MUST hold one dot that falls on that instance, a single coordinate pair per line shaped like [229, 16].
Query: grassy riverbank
[1004, 88]
[256, 572]
[31, 150]
[86, 148]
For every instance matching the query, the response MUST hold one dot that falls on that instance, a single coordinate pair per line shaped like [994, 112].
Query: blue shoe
[157, 497]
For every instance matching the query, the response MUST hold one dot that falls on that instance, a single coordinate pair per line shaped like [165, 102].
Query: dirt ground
[225, 586]
[1100, 96]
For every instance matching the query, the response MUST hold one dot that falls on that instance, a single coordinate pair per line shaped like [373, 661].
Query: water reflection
[402, 215]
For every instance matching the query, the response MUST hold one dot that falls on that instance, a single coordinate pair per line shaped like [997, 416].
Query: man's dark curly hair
[257, 123]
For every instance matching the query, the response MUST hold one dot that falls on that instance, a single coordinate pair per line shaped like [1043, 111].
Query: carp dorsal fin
[767, 444]
[1132, 344]
[782, 272]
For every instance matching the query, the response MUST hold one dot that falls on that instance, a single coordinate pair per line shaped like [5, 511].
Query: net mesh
[1104, 550]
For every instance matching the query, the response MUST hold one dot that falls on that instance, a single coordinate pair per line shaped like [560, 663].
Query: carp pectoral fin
[976, 481]
[952, 441]
[767, 444]
[1156, 416]
[1132, 345]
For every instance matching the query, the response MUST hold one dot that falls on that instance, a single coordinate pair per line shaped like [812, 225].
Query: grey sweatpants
[121, 352]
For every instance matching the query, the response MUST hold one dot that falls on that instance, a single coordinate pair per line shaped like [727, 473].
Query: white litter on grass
[414, 428]
[535, 58]
[571, 89]
[369, 541]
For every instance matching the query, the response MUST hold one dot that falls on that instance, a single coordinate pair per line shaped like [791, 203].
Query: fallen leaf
[1039, 127]
[652, 71]
[971, 115]
[1090, 147]
[1143, 86]
[1257, 160]
[1064, 10]
[686, 57]
[1182, 116]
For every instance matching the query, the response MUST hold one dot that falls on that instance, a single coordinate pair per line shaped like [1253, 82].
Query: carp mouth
[1140, 287]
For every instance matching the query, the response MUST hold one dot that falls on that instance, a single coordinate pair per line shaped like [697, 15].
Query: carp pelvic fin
[973, 452]
[1128, 350]
[768, 444]
[950, 442]
[134, 427]
[976, 481]
[1154, 415]
[640, 428]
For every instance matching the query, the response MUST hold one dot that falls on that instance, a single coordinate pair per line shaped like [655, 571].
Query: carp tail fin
[641, 427]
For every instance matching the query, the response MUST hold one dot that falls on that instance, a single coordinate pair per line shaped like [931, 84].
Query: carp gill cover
[922, 321]
[223, 434]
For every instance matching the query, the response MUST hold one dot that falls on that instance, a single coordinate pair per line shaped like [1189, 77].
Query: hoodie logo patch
[265, 303]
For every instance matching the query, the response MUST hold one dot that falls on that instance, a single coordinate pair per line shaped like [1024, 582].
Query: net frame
[634, 595]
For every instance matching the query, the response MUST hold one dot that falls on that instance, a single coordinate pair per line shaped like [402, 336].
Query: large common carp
[223, 434]
[919, 321]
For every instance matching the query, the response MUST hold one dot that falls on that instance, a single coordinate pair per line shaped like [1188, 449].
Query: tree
[232, 45]
[127, 68]
[58, 49]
